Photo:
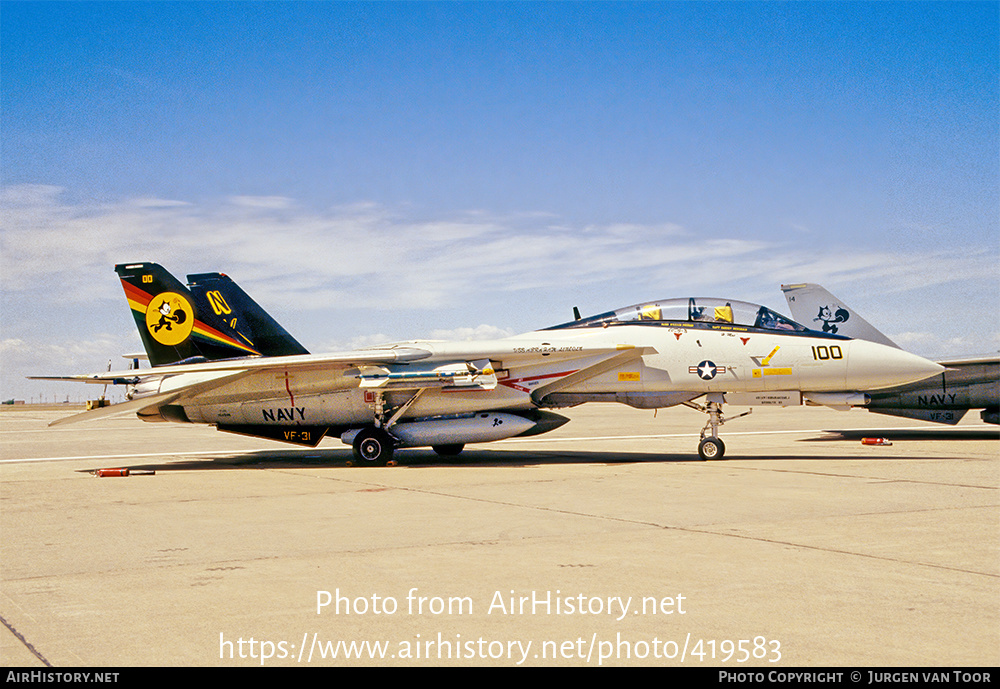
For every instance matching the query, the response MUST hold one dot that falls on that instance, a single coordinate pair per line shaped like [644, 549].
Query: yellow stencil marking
[767, 359]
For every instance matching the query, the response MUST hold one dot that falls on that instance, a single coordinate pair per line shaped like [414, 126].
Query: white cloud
[933, 343]
[370, 256]
[361, 254]
[157, 203]
[66, 356]
[271, 202]
[363, 267]
[479, 332]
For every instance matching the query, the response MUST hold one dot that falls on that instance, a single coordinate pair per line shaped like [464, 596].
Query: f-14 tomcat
[218, 358]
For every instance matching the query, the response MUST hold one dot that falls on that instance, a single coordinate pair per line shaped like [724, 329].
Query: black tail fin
[163, 309]
[231, 311]
[177, 324]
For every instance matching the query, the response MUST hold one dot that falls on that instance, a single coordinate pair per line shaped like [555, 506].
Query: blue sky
[380, 171]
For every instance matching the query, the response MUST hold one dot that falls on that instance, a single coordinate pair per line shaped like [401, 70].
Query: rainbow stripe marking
[138, 301]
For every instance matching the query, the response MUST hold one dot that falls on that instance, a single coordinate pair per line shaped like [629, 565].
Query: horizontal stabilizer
[136, 405]
[142, 405]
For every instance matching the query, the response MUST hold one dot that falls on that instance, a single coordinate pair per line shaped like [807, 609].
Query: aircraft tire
[711, 448]
[373, 447]
[448, 450]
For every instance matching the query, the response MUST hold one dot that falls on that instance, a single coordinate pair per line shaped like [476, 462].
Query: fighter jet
[970, 382]
[217, 358]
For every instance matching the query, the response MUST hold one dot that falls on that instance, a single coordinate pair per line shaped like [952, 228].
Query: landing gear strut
[374, 446]
[711, 446]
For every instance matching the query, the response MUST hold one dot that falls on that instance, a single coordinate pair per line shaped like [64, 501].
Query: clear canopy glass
[696, 310]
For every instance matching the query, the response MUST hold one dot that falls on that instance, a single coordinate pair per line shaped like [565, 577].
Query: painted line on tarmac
[657, 436]
[226, 453]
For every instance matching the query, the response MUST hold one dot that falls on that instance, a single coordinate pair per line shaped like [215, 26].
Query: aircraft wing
[210, 375]
[466, 365]
[605, 364]
[298, 362]
[957, 362]
[149, 401]
[513, 352]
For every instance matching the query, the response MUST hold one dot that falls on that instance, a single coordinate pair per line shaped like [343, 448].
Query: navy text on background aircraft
[217, 358]
[968, 382]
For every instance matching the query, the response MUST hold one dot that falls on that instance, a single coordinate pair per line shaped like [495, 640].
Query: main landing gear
[711, 446]
[373, 447]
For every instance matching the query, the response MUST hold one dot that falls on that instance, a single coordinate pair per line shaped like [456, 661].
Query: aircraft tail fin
[814, 307]
[178, 324]
[232, 312]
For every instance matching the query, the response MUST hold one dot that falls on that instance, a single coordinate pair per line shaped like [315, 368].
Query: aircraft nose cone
[873, 366]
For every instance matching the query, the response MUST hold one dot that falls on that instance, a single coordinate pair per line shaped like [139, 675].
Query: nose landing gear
[711, 448]
[710, 445]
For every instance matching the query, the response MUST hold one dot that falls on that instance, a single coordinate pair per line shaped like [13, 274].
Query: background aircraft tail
[213, 320]
[814, 307]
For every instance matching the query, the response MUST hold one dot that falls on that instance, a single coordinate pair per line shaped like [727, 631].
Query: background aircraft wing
[957, 362]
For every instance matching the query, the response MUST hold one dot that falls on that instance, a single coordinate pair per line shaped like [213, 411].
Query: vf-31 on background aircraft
[971, 382]
[218, 358]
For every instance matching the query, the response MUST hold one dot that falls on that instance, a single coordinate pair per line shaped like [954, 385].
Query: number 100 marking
[823, 353]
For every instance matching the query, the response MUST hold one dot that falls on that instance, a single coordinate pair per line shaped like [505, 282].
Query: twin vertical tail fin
[163, 310]
[814, 307]
[210, 319]
[235, 314]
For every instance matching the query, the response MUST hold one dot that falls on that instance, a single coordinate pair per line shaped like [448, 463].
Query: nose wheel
[711, 446]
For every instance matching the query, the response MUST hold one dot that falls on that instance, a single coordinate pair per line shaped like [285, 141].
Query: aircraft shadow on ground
[480, 458]
[910, 434]
[411, 459]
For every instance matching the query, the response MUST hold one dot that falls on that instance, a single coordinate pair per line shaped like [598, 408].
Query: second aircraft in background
[967, 382]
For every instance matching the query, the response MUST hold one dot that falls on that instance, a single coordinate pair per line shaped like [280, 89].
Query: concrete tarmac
[604, 542]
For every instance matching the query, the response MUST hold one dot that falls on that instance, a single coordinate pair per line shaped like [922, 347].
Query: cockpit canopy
[694, 310]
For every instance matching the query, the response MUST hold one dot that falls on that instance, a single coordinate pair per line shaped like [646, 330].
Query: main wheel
[711, 448]
[448, 450]
[373, 447]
